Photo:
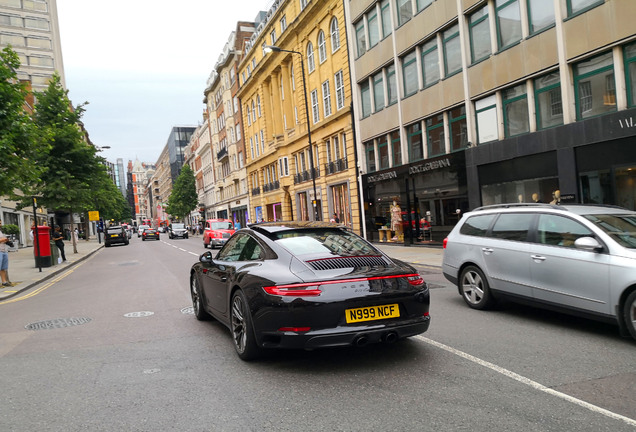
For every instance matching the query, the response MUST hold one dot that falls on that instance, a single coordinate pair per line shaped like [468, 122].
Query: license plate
[114, 235]
[372, 313]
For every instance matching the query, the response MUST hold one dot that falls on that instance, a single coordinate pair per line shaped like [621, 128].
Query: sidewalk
[24, 274]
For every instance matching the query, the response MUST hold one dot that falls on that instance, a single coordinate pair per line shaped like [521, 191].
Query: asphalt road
[114, 347]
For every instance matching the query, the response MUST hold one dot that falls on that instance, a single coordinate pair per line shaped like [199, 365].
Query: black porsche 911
[307, 285]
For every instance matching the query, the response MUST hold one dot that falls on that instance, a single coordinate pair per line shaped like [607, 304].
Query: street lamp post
[270, 48]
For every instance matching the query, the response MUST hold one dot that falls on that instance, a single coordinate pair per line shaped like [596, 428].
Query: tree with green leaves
[21, 144]
[184, 197]
[71, 165]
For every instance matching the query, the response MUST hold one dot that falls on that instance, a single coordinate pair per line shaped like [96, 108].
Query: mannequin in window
[396, 219]
[556, 197]
[535, 197]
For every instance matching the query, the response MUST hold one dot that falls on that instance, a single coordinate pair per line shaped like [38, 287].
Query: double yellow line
[42, 288]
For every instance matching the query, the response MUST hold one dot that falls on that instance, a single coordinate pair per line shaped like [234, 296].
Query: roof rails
[512, 205]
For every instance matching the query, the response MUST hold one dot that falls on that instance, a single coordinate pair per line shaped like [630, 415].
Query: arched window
[249, 118]
[253, 112]
[311, 63]
[322, 47]
[335, 35]
[258, 104]
[293, 80]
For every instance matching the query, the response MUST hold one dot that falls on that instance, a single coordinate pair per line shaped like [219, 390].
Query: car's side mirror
[206, 257]
[588, 243]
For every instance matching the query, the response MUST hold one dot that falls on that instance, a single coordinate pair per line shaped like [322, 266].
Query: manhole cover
[139, 314]
[57, 323]
[188, 310]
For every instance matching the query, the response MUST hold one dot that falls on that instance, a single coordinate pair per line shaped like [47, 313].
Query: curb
[52, 274]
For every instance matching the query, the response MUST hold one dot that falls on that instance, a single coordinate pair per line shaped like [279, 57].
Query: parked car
[577, 259]
[150, 233]
[141, 229]
[128, 230]
[177, 230]
[115, 234]
[217, 232]
[307, 285]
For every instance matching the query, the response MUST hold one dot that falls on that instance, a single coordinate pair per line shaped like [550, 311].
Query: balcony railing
[271, 186]
[306, 176]
[256, 191]
[336, 166]
[222, 153]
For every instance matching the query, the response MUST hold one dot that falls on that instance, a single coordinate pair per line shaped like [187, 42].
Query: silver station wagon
[578, 259]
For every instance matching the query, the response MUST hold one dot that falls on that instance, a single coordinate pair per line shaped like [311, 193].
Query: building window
[515, 110]
[326, 98]
[262, 141]
[385, 13]
[283, 24]
[335, 35]
[311, 63]
[253, 113]
[405, 12]
[479, 35]
[303, 4]
[547, 96]
[252, 147]
[458, 128]
[630, 72]
[594, 86]
[258, 104]
[365, 96]
[249, 117]
[340, 90]
[435, 135]
[414, 135]
[361, 40]
[314, 106]
[540, 15]
[423, 4]
[272, 36]
[578, 6]
[322, 47]
[391, 81]
[409, 73]
[374, 29]
[291, 77]
[383, 152]
[370, 152]
[508, 23]
[486, 112]
[396, 148]
[452, 51]
[283, 166]
[378, 91]
[430, 63]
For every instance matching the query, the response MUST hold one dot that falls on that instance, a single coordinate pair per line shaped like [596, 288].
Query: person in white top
[4, 258]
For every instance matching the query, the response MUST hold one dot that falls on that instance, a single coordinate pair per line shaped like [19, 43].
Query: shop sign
[627, 123]
[384, 176]
[430, 166]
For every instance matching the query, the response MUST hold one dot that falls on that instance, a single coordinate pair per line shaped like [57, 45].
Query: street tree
[21, 144]
[184, 197]
[71, 164]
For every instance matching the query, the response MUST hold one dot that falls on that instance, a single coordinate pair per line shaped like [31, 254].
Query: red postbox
[42, 247]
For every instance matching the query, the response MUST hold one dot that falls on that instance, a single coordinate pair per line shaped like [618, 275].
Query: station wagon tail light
[445, 242]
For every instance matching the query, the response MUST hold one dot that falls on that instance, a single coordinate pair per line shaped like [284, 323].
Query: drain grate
[57, 323]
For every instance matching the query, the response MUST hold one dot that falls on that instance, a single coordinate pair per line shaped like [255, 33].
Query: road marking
[43, 287]
[527, 381]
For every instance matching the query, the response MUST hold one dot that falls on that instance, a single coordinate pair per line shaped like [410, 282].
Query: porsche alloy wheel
[241, 326]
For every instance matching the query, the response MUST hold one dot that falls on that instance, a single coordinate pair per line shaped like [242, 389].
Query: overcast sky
[143, 64]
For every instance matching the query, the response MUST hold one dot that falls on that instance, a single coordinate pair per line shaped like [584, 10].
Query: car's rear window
[323, 241]
[477, 225]
[622, 228]
[178, 226]
[114, 230]
[512, 226]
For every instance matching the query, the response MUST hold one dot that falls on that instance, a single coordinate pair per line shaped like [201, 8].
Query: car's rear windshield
[221, 225]
[114, 229]
[178, 226]
[323, 241]
[621, 227]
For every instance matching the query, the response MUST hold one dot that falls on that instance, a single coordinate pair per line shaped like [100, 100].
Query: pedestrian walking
[4, 258]
[58, 238]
